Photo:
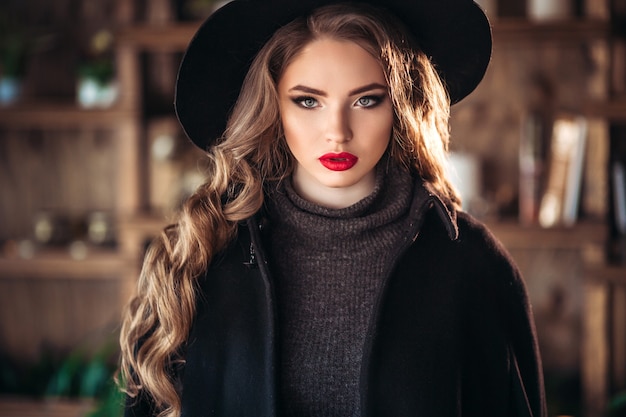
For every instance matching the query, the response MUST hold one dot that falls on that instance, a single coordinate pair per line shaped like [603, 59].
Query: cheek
[298, 131]
[290, 130]
[378, 131]
[381, 143]
[295, 136]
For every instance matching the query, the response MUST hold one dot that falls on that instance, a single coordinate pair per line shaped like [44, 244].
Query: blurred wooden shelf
[168, 37]
[614, 274]
[147, 224]
[612, 110]
[572, 30]
[514, 235]
[26, 407]
[98, 263]
[59, 264]
[62, 114]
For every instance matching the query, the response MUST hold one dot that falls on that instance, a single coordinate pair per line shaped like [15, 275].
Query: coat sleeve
[501, 322]
[525, 369]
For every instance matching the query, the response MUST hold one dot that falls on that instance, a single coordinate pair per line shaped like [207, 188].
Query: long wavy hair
[251, 154]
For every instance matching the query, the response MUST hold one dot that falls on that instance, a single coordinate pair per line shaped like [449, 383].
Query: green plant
[617, 405]
[13, 56]
[13, 47]
[81, 374]
[25, 379]
[100, 70]
[84, 375]
[111, 403]
[97, 63]
[19, 40]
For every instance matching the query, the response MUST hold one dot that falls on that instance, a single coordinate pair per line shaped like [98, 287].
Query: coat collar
[426, 196]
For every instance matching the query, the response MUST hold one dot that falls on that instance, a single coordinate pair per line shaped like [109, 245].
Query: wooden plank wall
[69, 172]
[40, 316]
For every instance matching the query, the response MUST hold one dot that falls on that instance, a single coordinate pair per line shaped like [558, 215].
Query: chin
[337, 180]
[337, 185]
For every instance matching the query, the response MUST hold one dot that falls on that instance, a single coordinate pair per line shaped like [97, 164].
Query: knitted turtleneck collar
[390, 199]
[392, 187]
[359, 208]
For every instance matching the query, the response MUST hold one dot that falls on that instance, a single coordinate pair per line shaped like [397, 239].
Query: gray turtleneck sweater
[329, 266]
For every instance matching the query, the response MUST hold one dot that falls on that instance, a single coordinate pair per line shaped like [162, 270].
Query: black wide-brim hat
[455, 34]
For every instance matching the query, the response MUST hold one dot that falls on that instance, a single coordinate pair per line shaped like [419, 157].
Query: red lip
[338, 161]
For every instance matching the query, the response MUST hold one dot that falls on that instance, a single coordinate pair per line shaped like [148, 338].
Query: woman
[325, 268]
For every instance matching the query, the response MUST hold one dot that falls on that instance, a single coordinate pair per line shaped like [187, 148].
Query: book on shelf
[534, 138]
[561, 197]
[619, 196]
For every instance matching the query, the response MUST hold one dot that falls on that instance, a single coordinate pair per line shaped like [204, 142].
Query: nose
[338, 128]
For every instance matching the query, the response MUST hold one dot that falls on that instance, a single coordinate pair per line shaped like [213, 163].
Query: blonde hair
[251, 154]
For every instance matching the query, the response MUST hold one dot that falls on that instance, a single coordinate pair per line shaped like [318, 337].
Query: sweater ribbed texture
[329, 266]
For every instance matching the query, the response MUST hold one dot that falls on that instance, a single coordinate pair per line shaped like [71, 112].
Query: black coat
[452, 334]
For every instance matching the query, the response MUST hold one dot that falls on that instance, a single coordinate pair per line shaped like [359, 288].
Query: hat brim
[455, 34]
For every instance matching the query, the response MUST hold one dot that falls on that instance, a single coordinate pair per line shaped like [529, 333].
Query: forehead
[330, 58]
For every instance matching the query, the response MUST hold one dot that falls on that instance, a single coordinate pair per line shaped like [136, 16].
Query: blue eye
[306, 102]
[368, 101]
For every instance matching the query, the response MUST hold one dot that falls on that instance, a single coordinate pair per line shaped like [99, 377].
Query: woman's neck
[334, 197]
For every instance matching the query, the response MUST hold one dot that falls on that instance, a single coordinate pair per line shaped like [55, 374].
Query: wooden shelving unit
[51, 115]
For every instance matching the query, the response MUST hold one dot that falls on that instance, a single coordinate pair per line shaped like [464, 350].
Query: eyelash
[301, 99]
[376, 100]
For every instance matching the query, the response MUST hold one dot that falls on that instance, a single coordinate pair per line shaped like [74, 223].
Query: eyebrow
[359, 90]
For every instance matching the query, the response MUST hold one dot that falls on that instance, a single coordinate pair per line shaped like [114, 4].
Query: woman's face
[337, 118]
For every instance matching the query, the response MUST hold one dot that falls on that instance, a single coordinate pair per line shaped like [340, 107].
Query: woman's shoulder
[475, 233]
[495, 263]
[475, 251]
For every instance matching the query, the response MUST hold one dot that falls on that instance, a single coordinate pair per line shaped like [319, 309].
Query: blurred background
[93, 164]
